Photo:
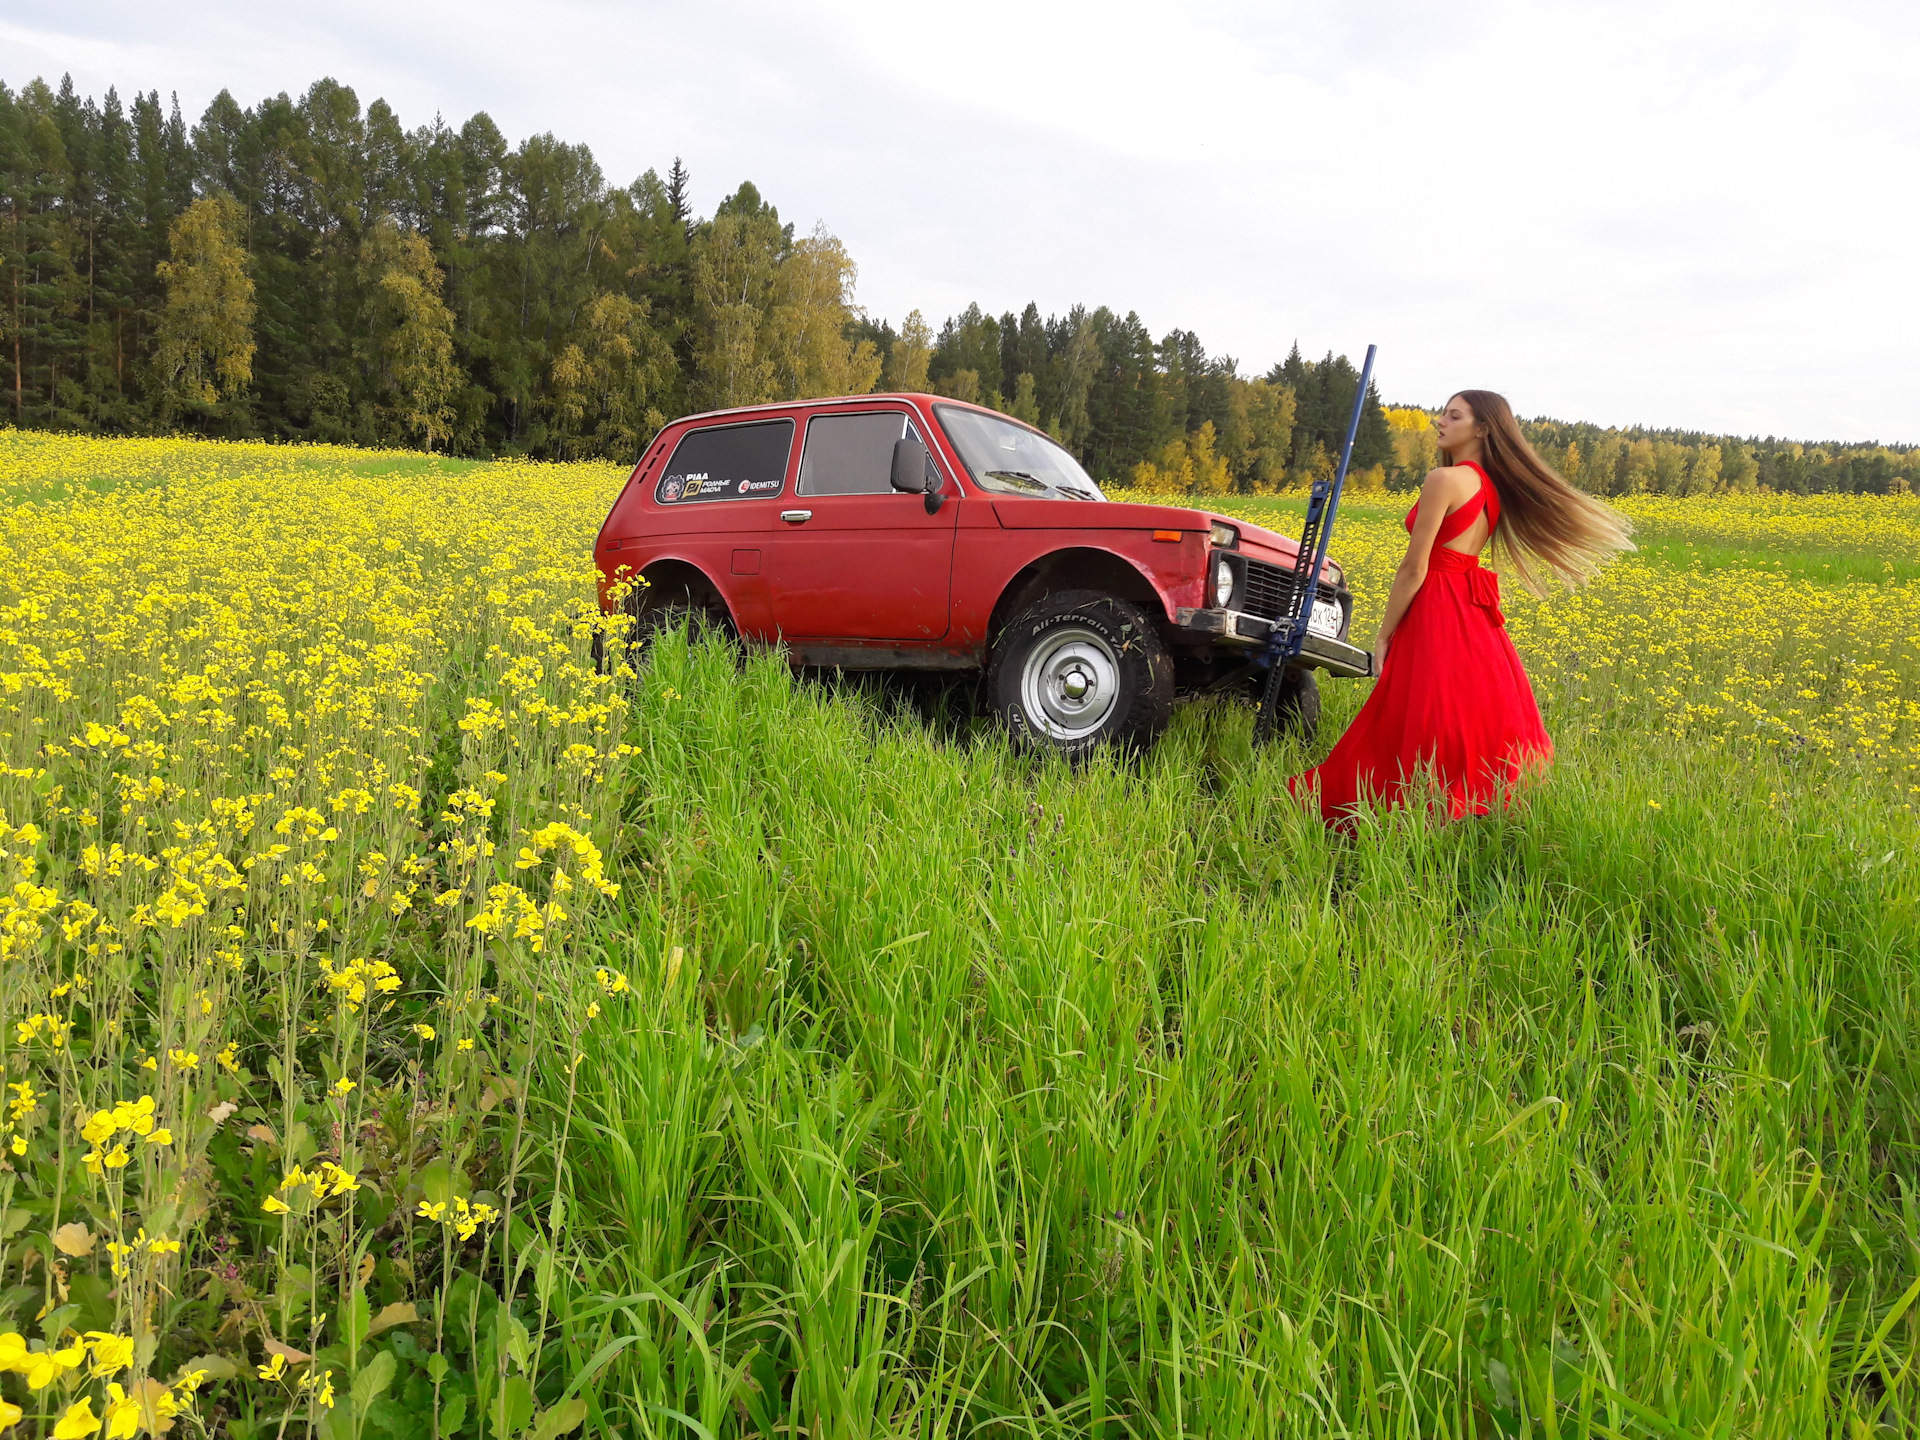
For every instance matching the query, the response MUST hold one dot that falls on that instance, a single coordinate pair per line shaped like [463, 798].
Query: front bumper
[1236, 627]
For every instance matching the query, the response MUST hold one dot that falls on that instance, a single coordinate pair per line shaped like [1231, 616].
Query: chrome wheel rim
[1070, 683]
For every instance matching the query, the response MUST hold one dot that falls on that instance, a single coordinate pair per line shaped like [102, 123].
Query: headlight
[1222, 581]
[1225, 536]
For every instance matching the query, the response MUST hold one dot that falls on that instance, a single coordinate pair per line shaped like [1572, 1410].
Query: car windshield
[1009, 459]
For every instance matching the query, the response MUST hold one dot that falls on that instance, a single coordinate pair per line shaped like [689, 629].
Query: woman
[1452, 706]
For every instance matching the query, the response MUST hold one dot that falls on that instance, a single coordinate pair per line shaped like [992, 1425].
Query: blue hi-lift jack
[1290, 631]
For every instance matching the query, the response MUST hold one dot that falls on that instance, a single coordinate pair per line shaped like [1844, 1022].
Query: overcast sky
[1696, 213]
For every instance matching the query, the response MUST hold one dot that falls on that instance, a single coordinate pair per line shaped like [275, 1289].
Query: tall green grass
[963, 1093]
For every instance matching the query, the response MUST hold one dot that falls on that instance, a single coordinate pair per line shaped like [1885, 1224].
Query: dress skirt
[1452, 707]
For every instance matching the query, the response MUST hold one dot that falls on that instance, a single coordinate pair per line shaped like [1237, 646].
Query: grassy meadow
[411, 1032]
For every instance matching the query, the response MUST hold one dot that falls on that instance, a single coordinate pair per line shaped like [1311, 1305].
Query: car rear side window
[727, 462]
[851, 454]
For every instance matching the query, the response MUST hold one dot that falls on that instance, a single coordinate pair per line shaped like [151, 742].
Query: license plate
[1325, 620]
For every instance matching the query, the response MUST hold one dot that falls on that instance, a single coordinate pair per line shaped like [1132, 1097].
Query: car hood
[1088, 516]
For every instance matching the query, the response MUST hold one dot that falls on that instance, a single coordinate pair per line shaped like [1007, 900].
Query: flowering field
[412, 1032]
[296, 757]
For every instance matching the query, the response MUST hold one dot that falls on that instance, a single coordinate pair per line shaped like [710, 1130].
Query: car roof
[747, 412]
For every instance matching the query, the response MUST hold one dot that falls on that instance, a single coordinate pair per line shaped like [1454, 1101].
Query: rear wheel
[1079, 670]
[699, 619]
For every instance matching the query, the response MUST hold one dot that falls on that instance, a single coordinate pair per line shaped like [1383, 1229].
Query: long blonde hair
[1544, 521]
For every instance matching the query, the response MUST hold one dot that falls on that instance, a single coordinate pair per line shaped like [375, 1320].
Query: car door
[713, 504]
[851, 557]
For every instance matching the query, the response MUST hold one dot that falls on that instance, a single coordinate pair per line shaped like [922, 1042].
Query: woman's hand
[1380, 653]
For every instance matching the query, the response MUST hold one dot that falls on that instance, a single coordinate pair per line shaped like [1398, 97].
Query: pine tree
[678, 204]
[969, 346]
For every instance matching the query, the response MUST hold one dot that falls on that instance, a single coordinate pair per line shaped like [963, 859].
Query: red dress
[1452, 699]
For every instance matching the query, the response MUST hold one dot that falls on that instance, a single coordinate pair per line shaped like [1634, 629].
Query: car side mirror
[912, 467]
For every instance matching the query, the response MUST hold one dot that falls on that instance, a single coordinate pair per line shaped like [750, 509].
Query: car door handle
[796, 517]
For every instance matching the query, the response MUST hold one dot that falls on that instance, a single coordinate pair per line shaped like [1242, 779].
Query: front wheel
[1296, 708]
[1079, 670]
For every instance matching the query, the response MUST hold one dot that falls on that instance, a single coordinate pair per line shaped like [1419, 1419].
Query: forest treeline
[308, 269]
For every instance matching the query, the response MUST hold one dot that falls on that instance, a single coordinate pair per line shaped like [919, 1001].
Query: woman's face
[1456, 425]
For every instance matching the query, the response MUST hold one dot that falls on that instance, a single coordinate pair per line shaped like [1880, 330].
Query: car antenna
[1289, 632]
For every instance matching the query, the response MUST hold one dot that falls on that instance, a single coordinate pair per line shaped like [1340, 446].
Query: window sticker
[727, 462]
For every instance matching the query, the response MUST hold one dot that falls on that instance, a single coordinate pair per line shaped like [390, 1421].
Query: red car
[911, 532]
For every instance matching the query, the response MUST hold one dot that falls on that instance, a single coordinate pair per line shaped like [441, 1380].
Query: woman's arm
[1444, 490]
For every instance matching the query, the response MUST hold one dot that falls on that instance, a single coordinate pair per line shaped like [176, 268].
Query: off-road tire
[679, 613]
[1296, 713]
[1080, 640]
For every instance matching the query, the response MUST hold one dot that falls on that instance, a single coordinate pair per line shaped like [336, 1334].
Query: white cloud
[1694, 214]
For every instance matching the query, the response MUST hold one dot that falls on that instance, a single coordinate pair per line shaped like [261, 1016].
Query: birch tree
[205, 345]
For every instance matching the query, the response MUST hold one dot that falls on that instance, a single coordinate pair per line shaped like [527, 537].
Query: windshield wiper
[1018, 475]
[1022, 477]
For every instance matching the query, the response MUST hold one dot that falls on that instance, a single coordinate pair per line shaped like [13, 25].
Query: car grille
[1268, 587]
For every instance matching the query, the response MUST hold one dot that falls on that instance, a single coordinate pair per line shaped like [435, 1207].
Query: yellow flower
[23, 1098]
[111, 1353]
[470, 1218]
[293, 1177]
[425, 1032]
[13, 1351]
[184, 1059]
[593, 1009]
[123, 1414]
[326, 1390]
[229, 1058]
[339, 1181]
[341, 1087]
[117, 1157]
[162, 1246]
[99, 1128]
[149, 1063]
[431, 1210]
[10, 1414]
[274, 1368]
[19, 1146]
[464, 1045]
[78, 1422]
[44, 1367]
[274, 1205]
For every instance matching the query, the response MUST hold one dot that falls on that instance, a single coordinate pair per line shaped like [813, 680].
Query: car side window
[727, 462]
[852, 454]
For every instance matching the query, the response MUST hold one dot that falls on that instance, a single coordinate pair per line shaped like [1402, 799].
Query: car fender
[1009, 577]
[677, 570]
